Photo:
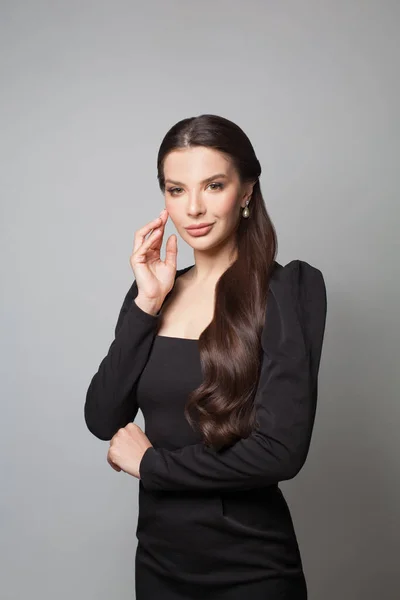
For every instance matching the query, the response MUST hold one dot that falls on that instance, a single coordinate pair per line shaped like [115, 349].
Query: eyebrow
[204, 180]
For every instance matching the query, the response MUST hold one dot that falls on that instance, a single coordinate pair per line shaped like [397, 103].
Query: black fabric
[211, 522]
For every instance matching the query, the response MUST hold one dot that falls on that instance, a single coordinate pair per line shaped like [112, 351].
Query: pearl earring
[246, 212]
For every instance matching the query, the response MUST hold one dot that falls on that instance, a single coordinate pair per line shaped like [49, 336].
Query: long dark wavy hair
[222, 407]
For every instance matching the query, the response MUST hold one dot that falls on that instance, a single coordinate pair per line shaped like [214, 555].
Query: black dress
[216, 524]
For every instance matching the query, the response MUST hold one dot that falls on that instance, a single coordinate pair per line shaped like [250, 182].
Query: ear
[247, 191]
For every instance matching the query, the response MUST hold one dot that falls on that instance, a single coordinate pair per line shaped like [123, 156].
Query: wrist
[149, 306]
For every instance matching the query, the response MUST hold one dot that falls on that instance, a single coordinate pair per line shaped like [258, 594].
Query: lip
[198, 231]
[199, 226]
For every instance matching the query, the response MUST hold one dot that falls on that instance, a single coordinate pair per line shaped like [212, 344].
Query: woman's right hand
[154, 277]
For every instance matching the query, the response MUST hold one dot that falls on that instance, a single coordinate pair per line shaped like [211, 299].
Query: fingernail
[163, 211]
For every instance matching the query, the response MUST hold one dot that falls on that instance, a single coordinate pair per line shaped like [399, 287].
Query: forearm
[110, 399]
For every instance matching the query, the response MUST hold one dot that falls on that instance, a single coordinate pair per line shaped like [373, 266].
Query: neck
[210, 265]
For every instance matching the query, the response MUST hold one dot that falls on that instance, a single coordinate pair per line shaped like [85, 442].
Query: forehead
[196, 163]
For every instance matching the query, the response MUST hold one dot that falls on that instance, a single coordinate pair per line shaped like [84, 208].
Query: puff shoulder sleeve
[110, 399]
[285, 399]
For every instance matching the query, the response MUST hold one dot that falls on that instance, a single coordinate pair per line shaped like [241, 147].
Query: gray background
[88, 90]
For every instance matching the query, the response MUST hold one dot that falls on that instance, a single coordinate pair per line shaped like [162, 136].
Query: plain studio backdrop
[88, 90]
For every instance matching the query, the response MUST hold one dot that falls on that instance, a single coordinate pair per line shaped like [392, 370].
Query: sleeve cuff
[144, 316]
[147, 467]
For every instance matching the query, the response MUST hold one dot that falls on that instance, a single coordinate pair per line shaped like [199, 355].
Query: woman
[222, 357]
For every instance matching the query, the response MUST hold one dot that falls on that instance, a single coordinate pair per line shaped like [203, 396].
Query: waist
[192, 534]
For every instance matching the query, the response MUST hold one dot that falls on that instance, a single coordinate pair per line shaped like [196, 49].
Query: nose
[195, 205]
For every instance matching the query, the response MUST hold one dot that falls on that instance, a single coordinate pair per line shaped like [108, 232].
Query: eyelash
[171, 190]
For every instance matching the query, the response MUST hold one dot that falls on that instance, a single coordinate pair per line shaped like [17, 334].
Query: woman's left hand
[126, 449]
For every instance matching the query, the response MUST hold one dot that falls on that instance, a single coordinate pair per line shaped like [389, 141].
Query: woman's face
[202, 186]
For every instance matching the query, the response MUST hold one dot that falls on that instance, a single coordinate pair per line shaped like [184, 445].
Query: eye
[172, 190]
[176, 189]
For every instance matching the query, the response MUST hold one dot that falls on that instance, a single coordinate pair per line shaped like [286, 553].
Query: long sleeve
[285, 399]
[110, 399]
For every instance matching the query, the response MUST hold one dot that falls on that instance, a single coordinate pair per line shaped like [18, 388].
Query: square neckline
[173, 337]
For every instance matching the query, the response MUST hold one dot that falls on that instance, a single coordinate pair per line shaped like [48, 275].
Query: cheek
[174, 214]
[227, 207]
[171, 208]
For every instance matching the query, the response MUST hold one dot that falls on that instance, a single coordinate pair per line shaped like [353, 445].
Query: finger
[159, 222]
[153, 242]
[131, 426]
[140, 234]
[171, 251]
[112, 464]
